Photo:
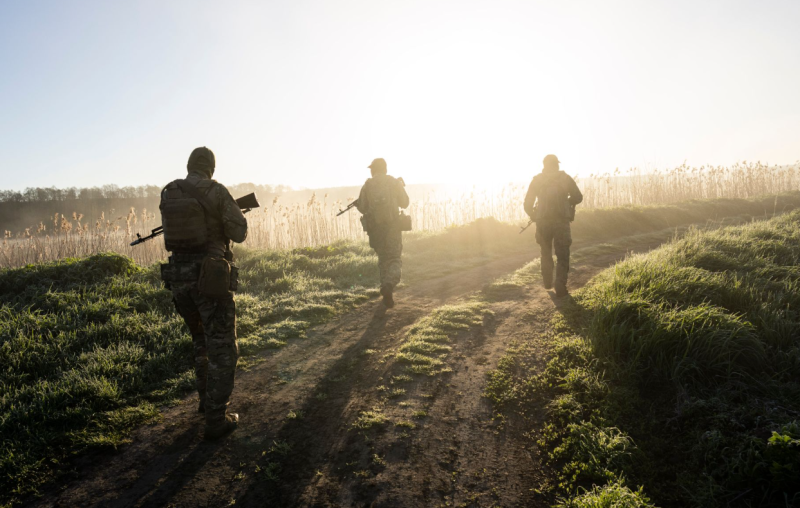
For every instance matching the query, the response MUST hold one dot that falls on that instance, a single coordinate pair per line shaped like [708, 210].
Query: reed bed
[279, 226]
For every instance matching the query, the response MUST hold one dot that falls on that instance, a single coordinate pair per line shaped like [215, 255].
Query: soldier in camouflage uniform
[550, 202]
[200, 219]
[379, 202]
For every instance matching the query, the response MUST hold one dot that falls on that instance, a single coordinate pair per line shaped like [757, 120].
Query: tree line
[49, 194]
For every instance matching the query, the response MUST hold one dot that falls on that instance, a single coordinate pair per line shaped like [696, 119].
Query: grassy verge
[676, 374]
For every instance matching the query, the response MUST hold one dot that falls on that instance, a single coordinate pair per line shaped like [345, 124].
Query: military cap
[550, 159]
[378, 163]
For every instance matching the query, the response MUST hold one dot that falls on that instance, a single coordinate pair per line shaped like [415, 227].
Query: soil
[296, 445]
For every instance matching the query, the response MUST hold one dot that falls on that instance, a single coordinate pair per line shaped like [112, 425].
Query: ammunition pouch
[217, 278]
[404, 222]
[179, 272]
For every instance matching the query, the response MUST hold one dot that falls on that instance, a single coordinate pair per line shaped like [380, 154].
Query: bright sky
[307, 93]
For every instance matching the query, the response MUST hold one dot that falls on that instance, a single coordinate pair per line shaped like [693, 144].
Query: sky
[307, 93]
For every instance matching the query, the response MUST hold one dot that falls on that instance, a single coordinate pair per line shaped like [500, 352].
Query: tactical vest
[553, 200]
[188, 217]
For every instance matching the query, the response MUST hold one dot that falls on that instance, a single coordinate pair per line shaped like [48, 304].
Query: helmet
[550, 160]
[202, 159]
[378, 166]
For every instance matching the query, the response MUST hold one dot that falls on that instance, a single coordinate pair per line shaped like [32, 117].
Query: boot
[388, 299]
[227, 426]
[561, 290]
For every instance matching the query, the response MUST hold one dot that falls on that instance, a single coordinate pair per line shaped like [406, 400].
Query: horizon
[306, 95]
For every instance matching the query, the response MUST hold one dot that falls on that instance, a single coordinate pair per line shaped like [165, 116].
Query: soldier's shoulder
[207, 183]
[214, 188]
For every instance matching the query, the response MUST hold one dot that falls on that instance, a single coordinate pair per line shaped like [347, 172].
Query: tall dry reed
[279, 226]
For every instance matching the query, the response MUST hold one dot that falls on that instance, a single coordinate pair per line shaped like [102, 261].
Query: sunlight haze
[307, 93]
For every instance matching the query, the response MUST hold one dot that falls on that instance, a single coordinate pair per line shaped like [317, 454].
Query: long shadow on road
[303, 443]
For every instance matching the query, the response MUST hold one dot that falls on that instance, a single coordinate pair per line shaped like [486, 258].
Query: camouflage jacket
[550, 196]
[382, 194]
[233, 226]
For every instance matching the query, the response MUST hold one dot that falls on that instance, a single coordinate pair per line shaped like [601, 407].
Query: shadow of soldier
[173, 469]
[302, 446]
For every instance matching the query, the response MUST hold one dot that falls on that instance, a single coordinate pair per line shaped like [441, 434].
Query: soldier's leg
[544, 238]
[186, 307]
[219, 320]
[562, 240]
[376, 241]
[392, 259]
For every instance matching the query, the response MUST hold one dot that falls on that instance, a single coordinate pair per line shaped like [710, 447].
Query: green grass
[676, 371]
[90, 348]
[425, 345]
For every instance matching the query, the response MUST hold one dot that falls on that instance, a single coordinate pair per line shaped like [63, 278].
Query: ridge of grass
[675, 371]
[425, 345]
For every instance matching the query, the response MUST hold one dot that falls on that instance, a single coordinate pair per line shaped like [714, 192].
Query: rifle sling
[190, 189]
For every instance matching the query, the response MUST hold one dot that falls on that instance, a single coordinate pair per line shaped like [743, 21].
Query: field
[286, 223]
[475, 372]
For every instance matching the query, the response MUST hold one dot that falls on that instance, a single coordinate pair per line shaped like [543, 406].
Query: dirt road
[296, 445]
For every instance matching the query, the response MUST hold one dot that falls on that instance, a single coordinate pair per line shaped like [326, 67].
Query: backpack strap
[191, 190]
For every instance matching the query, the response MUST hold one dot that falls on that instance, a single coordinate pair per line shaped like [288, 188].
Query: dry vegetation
[279, 226]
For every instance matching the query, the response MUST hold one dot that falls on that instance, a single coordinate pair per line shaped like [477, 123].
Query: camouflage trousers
[388, 245]
[212, 323]
[554, 236]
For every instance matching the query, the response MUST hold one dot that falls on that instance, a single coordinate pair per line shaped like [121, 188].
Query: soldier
[379, 202]
[200, 219]
[550, 202]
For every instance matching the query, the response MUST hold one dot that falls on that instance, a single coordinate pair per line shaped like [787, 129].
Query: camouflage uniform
[211, 321]
[549, 202]
[386, 237]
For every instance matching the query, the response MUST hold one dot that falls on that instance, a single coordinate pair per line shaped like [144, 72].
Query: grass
[91, 347]
[676, 371]
[368, 419]
[425, 345]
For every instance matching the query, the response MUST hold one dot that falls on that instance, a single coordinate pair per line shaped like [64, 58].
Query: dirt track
[457, 455]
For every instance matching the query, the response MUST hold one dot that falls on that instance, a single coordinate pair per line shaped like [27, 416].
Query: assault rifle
[246, 203]
[351, 205]
[530, 222]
